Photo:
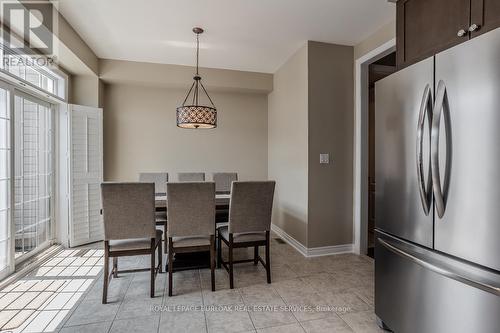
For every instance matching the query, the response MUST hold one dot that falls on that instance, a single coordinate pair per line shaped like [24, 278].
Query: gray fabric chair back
[191, 176]
[128, 210]
[251, 206]
[223, 181]
[159, 178]
[190, 209]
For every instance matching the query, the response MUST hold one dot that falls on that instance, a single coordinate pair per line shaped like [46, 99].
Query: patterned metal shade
[193, 116]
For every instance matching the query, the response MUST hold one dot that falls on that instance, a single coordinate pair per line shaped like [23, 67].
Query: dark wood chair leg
[219, 251]
[255, 255]
[115, 267]
[212, 261]
[165, 236]
[160, 258]
[170, 266]
[153, 267]
[231, 277]
[105, 273]
[268, 261]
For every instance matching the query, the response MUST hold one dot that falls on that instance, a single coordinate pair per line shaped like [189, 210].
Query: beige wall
[150, 74]
[140, 134]
[379, 37]
[84, 90]
[72, 40]
[287, 146]
[331, 124]
[311, 112]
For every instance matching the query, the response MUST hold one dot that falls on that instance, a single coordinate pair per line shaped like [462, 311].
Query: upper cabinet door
[425, 27]
[485, 16]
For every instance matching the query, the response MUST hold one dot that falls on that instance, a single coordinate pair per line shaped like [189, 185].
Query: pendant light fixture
[193, 114]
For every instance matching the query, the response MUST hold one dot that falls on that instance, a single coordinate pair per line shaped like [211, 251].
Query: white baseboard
[329, 250]
[314, 251]
[289, 239]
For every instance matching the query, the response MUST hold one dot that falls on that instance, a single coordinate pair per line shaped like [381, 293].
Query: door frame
[360, 181]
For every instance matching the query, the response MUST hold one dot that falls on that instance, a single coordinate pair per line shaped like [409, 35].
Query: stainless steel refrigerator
[437, 206]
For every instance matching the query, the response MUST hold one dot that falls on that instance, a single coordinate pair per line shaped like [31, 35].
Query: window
[33, 173]
[34, 70]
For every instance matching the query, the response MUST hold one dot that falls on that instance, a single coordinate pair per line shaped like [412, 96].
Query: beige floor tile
[282, 272]
[330, 324]
[222, 297]
[102, 327]
[228, 321]
[6, 316]
[116, 289]
[366, 293]
[40, 321]
[136, 325]
[291, 328]
[292, 288]
[92, 311]
[20, 320]
[142, 307]
[309, 307]
[183, 322]
[8, 298]
[321, 282]
[345, 302]
[184, 297]
[362, 322]
[261, 294]
[271, 317]
[221, 279]
[22, 301]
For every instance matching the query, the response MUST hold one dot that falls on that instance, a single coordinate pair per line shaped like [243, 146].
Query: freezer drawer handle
[441, 107]
[424, 189]
[440, 270]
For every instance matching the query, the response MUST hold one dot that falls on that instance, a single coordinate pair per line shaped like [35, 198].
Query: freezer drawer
[399, 197]
[418, 290]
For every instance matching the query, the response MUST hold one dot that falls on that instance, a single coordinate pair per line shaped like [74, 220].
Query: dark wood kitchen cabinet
[426, 27]
[485, 16]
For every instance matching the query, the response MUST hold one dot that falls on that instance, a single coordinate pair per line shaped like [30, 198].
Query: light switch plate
[324, 158]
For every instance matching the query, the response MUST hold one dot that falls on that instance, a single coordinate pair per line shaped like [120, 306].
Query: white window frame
[60, 78]
[51, 235]
[14, 88]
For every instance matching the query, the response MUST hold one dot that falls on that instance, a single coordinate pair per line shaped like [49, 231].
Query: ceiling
[251, 35]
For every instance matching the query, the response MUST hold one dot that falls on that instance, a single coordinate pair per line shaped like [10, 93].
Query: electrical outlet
[324, 158]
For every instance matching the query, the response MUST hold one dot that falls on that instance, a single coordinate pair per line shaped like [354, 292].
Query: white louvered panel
[85, 175]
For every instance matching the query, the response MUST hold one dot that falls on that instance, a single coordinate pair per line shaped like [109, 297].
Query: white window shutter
[85, 174]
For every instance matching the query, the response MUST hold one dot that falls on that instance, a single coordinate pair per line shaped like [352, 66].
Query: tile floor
[323, 294]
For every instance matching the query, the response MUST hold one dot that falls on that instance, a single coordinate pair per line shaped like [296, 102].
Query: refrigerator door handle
[473, 282]
[441, 107]
[424, 188]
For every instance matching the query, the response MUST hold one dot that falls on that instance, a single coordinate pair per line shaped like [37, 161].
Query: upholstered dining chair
[223, 181]
[129, 228]
[160, 180]
[191, 176]
[249, 224]
[190, 222]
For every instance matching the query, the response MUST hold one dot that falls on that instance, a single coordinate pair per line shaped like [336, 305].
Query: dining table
[195, 260]
[221, 200]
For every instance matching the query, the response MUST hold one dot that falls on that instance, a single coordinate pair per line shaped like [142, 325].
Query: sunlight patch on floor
[41, 300]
